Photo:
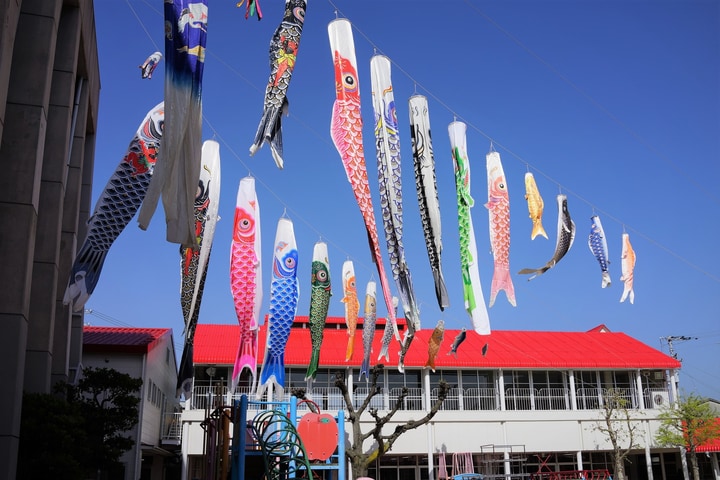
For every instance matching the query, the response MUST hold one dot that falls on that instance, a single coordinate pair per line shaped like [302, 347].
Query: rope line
[496, 144]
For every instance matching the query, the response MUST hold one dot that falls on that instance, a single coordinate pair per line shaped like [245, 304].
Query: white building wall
[468, 431]
[161, 372]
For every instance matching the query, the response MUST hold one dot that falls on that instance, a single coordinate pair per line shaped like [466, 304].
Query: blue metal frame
[240, 446]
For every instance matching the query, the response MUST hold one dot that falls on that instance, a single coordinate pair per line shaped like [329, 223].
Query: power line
[675, 338]
[649, 239]
[107, 318]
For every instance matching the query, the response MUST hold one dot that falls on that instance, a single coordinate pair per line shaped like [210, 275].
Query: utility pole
[675, 338]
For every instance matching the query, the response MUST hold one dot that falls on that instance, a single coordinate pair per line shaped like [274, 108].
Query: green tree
[83, 428]
[359, 457]
[51, 439]
[617, 424]
[688, 424]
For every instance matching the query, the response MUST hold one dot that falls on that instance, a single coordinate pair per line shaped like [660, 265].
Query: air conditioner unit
[659, 400]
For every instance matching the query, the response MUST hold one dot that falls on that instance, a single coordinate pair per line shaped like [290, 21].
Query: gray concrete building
[49, 90]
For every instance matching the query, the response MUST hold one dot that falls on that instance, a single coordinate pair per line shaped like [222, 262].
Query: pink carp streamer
[245, 278]
[346, 132]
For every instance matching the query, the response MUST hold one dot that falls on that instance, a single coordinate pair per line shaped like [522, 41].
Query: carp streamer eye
[290, 262]
[349, 81]
[322, 276]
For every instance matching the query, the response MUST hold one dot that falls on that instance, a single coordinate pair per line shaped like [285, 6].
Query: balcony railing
[486, 398]
[172, 428]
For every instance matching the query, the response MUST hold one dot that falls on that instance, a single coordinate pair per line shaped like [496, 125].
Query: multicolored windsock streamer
[194, 262]
[387, 145]
[472, 289]
[178, 169]
[116, 206]
[150, 64]
[246, 278]
[426, 185]
[284, 293]
[346, 132]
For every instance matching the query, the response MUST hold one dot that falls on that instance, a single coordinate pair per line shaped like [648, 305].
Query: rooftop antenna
[675, 338]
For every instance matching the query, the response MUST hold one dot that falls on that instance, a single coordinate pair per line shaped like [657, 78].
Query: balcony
[171, 429]
[468, 399]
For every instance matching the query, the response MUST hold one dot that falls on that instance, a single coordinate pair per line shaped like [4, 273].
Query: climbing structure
[273, 433]
[281, 447]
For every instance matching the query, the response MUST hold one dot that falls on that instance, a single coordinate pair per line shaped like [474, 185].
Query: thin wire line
[562, 187]
[429, 93]
[142, 25]
[594, 102]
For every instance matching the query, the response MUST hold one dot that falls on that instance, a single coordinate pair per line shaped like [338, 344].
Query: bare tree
[618, 425]
[360, 459]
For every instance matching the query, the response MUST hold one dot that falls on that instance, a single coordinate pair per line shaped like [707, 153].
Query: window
[550, 391]
[412, 380]
[517, 390]
[478, 390]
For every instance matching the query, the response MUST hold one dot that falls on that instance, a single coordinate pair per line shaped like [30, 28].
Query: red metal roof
[217, 344]
[713, 445]
[126, 340]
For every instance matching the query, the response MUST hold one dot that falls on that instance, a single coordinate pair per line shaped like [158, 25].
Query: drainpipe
[141, 414]
[73, 123]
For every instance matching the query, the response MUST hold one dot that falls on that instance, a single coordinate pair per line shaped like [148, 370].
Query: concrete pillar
[573, 391]
[21, 153]
[639, 390]
[39, 353]
[9, 13]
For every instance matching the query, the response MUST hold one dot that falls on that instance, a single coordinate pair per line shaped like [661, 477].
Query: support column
[648, 457]
[573, 392]
[21, 150]
[501, 389]
[50, 212]
[578, 455]
[639, 389]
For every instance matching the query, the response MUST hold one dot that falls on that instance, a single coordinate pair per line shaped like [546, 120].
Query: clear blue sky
[615, 104]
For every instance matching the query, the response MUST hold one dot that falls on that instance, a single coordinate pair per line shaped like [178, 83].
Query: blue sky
[615, 104]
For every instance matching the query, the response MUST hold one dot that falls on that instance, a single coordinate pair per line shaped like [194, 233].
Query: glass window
[556, 379]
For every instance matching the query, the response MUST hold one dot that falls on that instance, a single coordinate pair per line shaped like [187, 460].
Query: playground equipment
[275, 434]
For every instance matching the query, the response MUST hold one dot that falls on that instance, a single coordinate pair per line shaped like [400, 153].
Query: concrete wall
[49, 89]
